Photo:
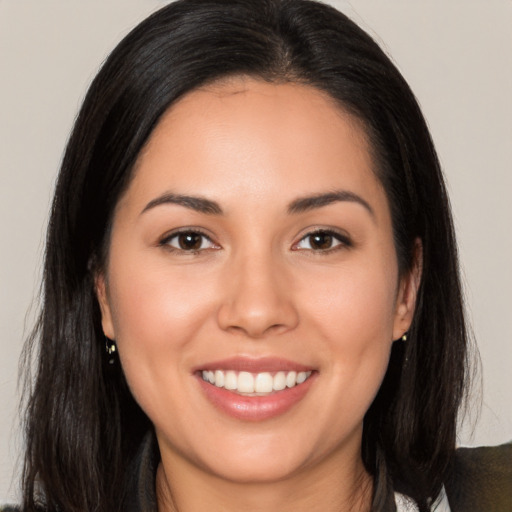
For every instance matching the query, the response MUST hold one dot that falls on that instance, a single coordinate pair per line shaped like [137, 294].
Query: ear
[407, 293]
[100, 287]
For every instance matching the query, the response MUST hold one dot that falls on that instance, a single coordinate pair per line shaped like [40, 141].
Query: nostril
[256, 319]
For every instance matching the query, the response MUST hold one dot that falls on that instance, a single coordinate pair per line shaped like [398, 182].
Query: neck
[329, 487]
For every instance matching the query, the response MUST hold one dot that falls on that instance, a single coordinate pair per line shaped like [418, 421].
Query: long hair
[82, 424]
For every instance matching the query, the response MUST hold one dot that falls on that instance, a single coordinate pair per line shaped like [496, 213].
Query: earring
[404, 337]
[110, 348]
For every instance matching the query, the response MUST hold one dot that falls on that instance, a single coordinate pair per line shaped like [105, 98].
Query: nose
[257, 298]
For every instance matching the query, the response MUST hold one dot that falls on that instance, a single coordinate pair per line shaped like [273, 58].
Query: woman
[251, 295]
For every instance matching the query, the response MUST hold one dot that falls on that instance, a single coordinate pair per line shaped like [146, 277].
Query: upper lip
[254, 365]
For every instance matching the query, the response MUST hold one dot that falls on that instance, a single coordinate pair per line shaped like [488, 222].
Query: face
[252, 284]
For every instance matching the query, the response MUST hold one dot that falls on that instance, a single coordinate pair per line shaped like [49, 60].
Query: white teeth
[249, 383]
[291, 379]
[245, 382]
[263, 383]
[301, 377]
[279, 381]
[219, 378]
[230, 380]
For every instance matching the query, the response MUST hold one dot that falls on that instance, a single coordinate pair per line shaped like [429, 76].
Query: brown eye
[322, 241]
[188, 241]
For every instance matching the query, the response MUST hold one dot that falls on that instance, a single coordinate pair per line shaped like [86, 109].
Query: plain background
[457, 57]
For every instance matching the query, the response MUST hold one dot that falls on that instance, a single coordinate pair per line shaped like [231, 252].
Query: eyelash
[343, 241]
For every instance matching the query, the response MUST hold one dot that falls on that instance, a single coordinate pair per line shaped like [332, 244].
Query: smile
[254, 384]
[255, 389]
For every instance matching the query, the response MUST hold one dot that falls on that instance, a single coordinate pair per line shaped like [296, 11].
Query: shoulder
[480, 479]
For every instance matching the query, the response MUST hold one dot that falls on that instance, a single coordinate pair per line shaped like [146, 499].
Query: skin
[256, 288]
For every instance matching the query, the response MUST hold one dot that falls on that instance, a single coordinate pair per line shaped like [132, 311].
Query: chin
[266, 470]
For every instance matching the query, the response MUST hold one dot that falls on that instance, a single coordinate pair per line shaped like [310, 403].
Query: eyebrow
[305, 204]
[300, 205]
[199, 204]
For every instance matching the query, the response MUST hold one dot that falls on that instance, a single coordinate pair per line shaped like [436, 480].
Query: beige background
[457, 56]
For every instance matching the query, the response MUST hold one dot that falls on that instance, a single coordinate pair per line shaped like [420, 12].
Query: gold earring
[110, 348]
[404, 337]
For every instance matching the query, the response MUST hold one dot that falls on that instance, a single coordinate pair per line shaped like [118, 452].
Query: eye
[188, 241]
[322, 241]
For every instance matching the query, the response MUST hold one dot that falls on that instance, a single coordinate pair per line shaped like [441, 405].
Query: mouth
[255, 389]
[254, 384]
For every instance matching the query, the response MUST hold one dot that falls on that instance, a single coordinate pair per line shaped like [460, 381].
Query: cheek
[354, 315]
[156, 312]
[158, 316]
[357, 301]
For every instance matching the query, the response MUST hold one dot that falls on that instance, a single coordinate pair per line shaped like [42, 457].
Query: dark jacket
[481, 480]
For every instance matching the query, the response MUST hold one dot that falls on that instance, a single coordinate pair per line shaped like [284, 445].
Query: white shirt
[405, 504]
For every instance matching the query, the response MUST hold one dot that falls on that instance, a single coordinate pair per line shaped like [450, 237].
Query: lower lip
[255, 408]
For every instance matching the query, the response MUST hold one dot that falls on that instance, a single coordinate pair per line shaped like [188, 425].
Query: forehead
[243, 137]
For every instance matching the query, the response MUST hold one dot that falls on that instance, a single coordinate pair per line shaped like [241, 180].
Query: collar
[405, 504]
